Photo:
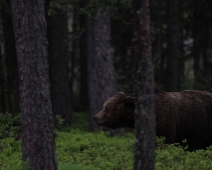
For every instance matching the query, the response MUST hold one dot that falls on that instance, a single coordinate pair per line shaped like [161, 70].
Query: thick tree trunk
[101, 81]
[59, 65]
[38, 145]
[145, 123]
[172, 62]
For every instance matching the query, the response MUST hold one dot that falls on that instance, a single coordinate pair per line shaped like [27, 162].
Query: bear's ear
[129, 99]
[121, 93]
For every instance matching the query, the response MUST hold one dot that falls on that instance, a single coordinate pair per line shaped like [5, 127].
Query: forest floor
[79, 149]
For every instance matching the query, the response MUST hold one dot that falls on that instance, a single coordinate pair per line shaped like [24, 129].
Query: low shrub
[8, 127]
[10, 154]
[95, 150]
[78, 149]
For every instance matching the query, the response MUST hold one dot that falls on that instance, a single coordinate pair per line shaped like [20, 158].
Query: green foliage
[94, 5]
[202, 83]
[10, 154]
[95, 150]
[91, 8]
[78, 149]
[121, 77]
[59, 122]
[81, 123]
[176, 158]
[188, 83]
[7, 128]
[55, 5]
[70, 166]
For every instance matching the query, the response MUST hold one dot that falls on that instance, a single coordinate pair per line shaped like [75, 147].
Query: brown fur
[179, 115]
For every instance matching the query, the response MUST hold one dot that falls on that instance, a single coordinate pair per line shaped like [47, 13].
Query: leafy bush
[80, 122]
[10, 154]
[7, 128]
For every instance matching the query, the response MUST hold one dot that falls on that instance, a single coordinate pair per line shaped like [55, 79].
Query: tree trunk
[38, 145]
[145, 123]
[101, 81]
[172, 76]
[83, 60]
[75, 59]
[4, 66]
[11, 60]
[59, 65]
[181, 58]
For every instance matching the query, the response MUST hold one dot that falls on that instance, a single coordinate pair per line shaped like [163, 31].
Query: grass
[78, 149]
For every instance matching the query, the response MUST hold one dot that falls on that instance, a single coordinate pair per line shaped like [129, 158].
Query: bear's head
[117, 112]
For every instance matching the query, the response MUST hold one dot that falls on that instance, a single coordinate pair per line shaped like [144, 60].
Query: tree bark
[172, 62]
[145, 123]
[38, 145]
[59, 65]
[101, 81]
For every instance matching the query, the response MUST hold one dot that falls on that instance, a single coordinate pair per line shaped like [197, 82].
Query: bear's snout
[95, 118]
[99, 120]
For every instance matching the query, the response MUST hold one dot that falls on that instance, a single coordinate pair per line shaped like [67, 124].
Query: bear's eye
[118, 107]
[106, 109]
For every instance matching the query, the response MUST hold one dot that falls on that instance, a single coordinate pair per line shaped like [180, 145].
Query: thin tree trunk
[172, 76]
[59, 65]
[145, 123]
[83, 60]
[75, 59]
[101, 81]
[181, 63]
[38, 145]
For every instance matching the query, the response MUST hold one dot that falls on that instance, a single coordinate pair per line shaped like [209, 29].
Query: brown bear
[179, 115]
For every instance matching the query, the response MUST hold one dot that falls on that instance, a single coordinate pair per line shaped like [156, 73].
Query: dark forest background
[181, 50]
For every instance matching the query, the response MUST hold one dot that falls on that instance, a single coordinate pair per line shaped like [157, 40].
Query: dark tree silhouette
[11, 59]
[59, 64]
[145, 123]
[83, 59]
[202, 27]
[172, 73]
[38, 145]
[4, 91]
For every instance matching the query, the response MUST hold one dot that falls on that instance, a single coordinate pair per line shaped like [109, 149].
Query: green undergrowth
[78, 149]
[95, 150]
